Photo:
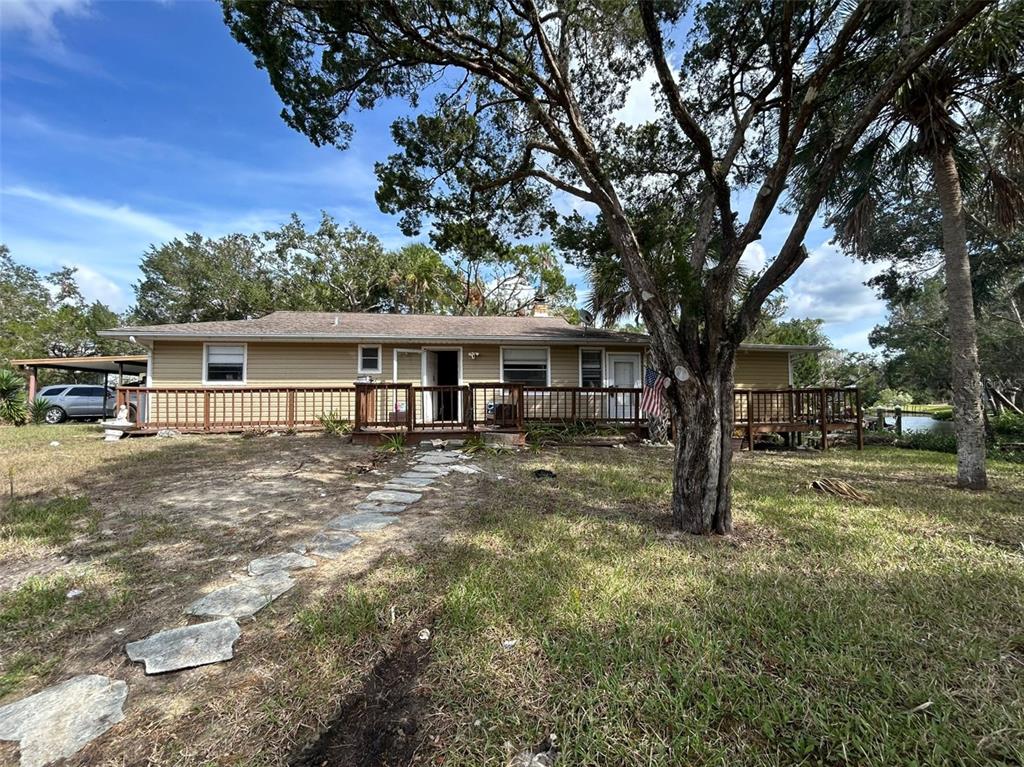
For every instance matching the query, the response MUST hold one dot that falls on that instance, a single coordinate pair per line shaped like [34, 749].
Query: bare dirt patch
[381, 724]
[178, 518]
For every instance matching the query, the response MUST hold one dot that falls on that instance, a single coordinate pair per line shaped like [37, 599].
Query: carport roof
[129, 363]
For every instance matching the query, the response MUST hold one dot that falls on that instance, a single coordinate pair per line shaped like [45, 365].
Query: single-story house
[420, 369]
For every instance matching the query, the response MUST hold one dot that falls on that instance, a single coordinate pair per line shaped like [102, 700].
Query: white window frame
[604, 369]
[360, 370]
[501, 361]
[245, 363]
[394, 361]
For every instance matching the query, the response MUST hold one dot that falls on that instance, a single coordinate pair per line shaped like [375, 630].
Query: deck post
[860, 421]
[520, 406]
[467, 407]
[360, 404]
[750, 420]
[899, 421]
[412, 409]
[206, 411]
[824, 420]
[410, 422]
[291, 408]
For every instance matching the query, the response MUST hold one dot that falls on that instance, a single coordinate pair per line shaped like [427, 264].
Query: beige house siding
[180, 363]
[762, 369]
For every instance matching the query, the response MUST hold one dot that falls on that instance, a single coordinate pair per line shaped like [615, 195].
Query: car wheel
[55, 415]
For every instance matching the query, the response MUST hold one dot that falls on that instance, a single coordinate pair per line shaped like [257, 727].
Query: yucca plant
[13, 406]
[395, 443]
[335, 425]
[37, 410]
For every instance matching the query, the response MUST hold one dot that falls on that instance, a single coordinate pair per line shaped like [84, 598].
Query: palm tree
[957, 123]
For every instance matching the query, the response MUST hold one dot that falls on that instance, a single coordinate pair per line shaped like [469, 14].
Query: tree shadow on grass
[631, 647]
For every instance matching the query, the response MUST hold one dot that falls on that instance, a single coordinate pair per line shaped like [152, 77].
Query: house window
[591, 368]
[525, 366]
[225, 363]
[369, 359]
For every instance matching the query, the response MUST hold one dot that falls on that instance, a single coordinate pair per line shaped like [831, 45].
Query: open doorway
[441, 368]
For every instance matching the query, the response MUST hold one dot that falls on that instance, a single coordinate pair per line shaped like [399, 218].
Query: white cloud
[113, 213]
[830, 286]
[640, 106]
[37, 18]
[38, 21]
[754, 257]
[98, 287]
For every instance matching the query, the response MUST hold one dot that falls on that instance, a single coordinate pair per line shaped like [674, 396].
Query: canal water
[923, 423]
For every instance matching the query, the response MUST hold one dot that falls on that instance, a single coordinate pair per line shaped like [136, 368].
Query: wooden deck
[389, 408]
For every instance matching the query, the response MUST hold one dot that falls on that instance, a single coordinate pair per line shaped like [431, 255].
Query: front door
[441, 368]
[624, 372]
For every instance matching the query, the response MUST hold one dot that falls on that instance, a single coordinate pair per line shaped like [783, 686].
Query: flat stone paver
[426, 470]
[286, 560]
[329, 544]
[467, 468]
[437, 459]
[186, 647]
[363, 521]
[412, 480]
[242, 599]
[382, 508]
[59, 721]
[394, 496]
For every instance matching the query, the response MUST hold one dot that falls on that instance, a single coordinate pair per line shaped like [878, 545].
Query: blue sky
[127, 123]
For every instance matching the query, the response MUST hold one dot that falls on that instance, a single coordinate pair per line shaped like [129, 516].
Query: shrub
[928, 440]
[892, 398]
[37, 409]
[394, 443]
[1008, 426]
[335, 425]
[13, 406]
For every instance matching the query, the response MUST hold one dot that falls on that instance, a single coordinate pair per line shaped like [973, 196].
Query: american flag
[652, 400]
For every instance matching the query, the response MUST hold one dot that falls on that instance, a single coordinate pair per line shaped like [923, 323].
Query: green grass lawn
[822, 632]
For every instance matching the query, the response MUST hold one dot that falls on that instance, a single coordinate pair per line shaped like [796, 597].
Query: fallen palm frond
[838, 488]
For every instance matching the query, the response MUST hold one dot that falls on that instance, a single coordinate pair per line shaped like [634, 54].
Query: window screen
[225, 363]
[525, 366]
[369, 359]
[591, 369]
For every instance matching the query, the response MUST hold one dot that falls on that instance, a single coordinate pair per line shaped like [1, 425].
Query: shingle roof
[383, 327]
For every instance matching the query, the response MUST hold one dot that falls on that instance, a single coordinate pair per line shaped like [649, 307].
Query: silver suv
[78, 401]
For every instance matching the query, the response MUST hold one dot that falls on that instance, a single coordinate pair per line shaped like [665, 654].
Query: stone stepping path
[243, 599]
[59, 721]
[288, 560]
[187, 647]
[330, 544]
[363, 521]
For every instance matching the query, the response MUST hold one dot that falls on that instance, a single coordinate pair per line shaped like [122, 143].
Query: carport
[113, 364]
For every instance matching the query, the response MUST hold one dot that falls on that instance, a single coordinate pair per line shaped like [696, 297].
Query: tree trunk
[702, 423]
[968, 415]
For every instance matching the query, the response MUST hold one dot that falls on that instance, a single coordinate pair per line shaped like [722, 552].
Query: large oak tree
[516, 119]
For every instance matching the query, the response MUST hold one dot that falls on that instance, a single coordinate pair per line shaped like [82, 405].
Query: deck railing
[501, 406]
